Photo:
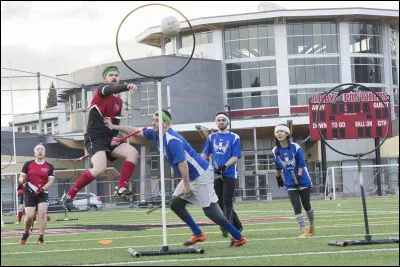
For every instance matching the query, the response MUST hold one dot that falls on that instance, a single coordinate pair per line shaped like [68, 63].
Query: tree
[51, 97]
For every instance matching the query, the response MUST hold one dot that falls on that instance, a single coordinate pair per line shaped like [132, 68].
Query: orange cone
[105, 242]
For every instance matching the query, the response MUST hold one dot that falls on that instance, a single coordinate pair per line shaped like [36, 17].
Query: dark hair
[166, 112]
[278, 144]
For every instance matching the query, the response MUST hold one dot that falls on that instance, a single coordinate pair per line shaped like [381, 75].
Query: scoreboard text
[357, 115]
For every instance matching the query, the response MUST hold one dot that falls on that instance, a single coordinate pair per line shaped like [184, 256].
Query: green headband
[164, 116]
[110, 69]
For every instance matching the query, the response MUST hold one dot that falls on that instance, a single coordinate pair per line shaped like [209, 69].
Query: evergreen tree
[51, 97]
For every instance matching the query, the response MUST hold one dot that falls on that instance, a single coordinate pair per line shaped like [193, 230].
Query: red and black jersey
[105, 103]
[38, 174]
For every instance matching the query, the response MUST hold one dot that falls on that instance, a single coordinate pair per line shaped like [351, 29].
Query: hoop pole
[161, 148]
[333, 184]
[12, 113]
[367, 235]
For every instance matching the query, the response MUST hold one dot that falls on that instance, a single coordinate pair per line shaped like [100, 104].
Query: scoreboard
[357, 115]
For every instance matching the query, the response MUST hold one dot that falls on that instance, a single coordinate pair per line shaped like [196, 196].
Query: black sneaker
[41, 241]
[122, 192]
[67, 202]
[23, 239]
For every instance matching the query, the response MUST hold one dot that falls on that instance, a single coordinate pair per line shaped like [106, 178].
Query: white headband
[282, 128]
[39, 146]
[221, 116]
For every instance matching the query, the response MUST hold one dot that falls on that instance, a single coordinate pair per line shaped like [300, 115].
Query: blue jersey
[289, 160]
[223, 147]
[176, 150]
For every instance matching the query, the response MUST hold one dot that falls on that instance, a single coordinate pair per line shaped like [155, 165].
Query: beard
[223, 127]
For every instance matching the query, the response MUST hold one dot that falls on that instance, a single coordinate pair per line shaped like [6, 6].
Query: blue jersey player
[224, 146]
[196, 186]
[290, 164]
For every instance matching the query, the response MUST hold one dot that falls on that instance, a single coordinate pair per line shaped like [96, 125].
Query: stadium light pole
[229, 113]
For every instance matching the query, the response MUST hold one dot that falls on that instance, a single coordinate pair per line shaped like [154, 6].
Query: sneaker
[305, 234]
[239, 243]
[23, 239]
[41, 241]
[17, 222]
[67, 202]
[224, 232]
[311, 230]
[194, 239]
[122, 192]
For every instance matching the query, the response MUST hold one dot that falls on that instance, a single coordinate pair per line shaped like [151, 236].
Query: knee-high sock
[19, 215]
[126, 173]
[216, 216]
[85, 179]
[300, 222]
[310, 215]
[178, 206]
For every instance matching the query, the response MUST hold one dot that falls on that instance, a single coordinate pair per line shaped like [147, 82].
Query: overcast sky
[62, 37]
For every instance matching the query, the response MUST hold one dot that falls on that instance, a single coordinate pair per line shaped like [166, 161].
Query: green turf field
[270, 229]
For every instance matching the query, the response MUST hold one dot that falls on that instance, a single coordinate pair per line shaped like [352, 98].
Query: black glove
[298, 181]
[220, 169]
[280, 181]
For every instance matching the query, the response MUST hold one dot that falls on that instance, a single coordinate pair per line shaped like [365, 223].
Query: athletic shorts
[30, 197]
[101, 143]
[203, 193]
[21, 200]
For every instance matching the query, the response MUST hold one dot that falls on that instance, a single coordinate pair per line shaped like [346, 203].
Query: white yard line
[176, 244]
[247, 257]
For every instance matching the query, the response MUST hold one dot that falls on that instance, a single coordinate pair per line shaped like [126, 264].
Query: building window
[79, 101]
[49, 128]
[366, 70]
[34, 128]
[265, 162]
[312, 37]
[394, 72]
[72, 103]
[313, 70]
[68, 112]
[300, 97]
[56, 131]
[251, 74]
[254, 99]
[201, 38]
[154, 158]
[148, 96]
[26, 129]
[249, 41]
[20, 129]
[365, 37]
[396, 95]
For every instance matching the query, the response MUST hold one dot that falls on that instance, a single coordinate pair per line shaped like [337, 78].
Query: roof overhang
[153, 36]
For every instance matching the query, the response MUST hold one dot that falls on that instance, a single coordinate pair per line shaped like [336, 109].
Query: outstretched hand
[131, 87]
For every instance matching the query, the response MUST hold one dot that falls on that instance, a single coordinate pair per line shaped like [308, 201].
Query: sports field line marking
[247, 257]
[176, 244]
[218, 232]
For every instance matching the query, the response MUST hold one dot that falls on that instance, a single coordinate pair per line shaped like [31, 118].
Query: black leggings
[225, 190]
[178, 206]
[300, 195]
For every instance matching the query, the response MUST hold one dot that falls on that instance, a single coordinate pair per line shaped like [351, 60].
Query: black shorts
[30, 197]
[95, 144]
[21, 200]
